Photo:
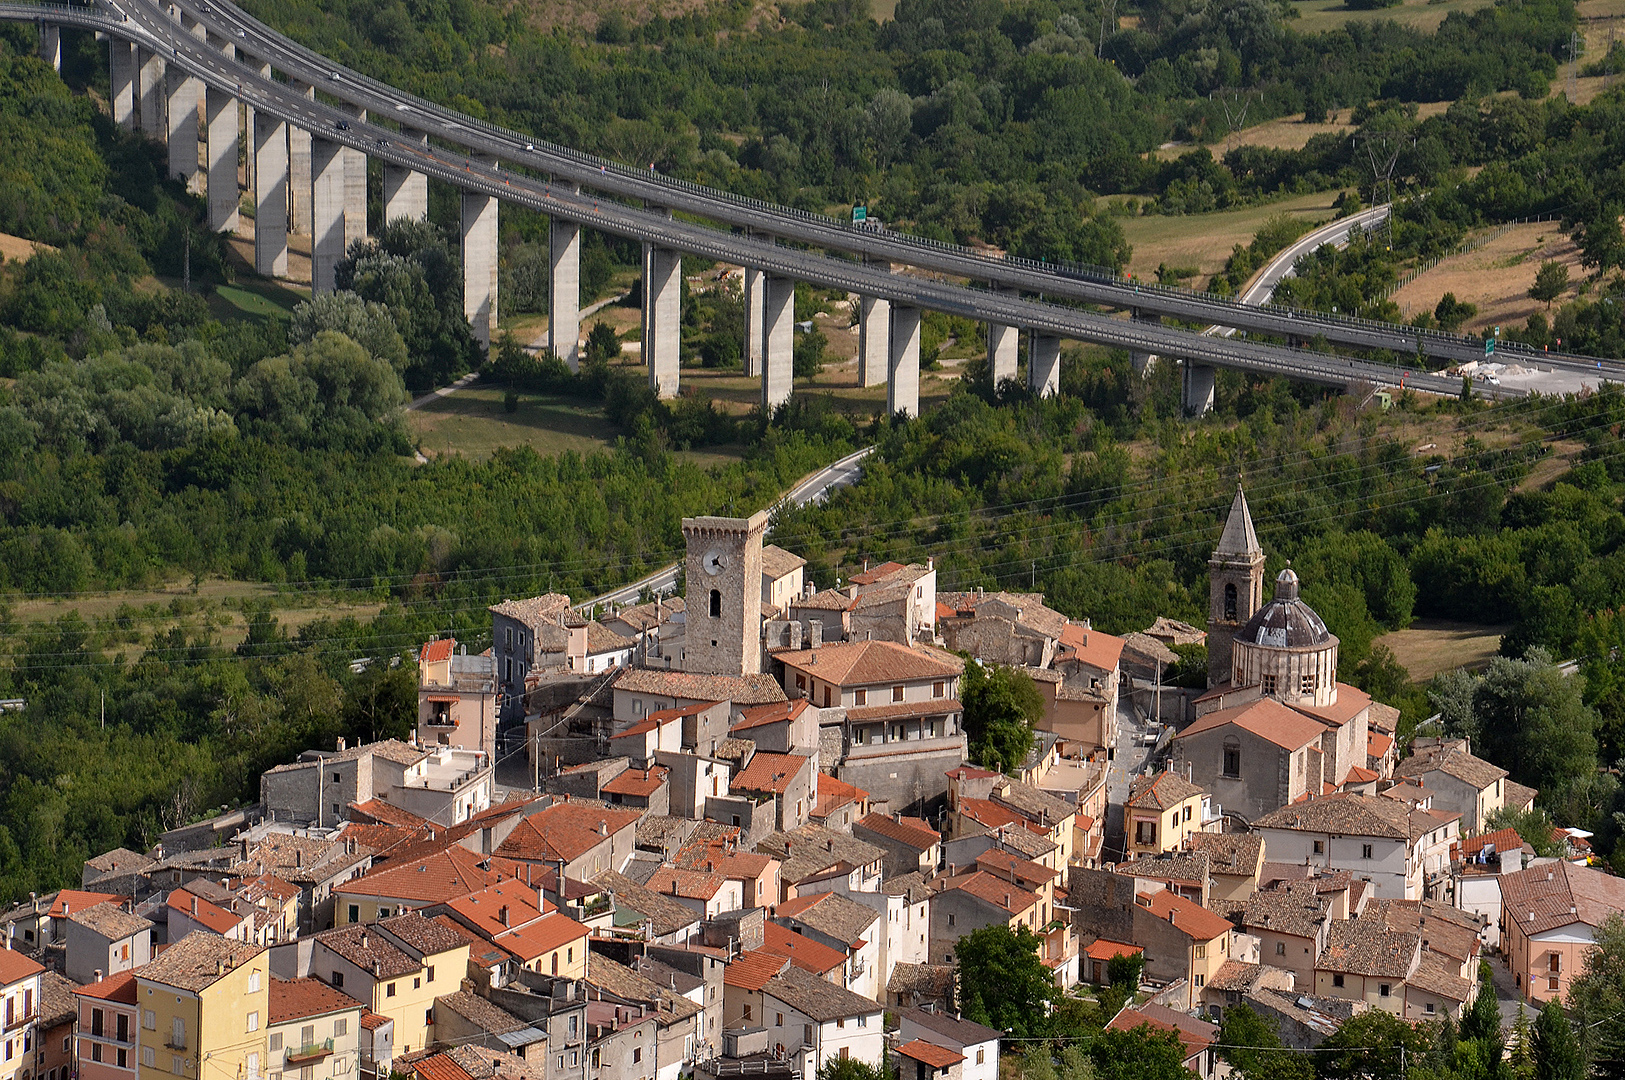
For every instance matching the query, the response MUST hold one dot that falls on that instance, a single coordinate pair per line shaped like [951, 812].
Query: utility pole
[1574, 67]
[1378, 145]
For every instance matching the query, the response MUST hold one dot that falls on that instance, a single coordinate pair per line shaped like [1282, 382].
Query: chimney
[66, 905]
[194, 903]
[363, 937]
[98, 975]
[603, 828]
[377, 969]
[341, 744]
[219, 967]
[502, 914]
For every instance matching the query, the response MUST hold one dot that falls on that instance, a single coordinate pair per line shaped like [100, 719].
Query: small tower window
[716, 604]
[1268, 686]
[1307, 683]
[1230, 602]
[1232, 758]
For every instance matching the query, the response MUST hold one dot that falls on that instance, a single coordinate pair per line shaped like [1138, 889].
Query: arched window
[1230, 602]
[716, 604]
[1232, 758]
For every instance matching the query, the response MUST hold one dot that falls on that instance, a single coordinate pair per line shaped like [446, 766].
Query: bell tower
[1236, 587]
[722, 612]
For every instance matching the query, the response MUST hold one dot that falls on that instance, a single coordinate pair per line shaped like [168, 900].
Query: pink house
[107, 1028]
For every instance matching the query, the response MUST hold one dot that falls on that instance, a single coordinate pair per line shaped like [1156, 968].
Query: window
[1200, 979]
[341, 1026]
[508, 636]
[96, 1023]
[355, 912]
[1145, 833]
[276, 1042]
[1232, 758]
[801, 681]
[1337, 980]
[147, 1019]
[716, 604]
[429, 973]
[1230, 602]
[1280, 948]
[950, 918]
[389, 991]
[1306, 683]
[574, 1057]
[1365, 851]
[177, 1065]
[1429, 1008]
[428, 1017]
[780, 1021]
[1187, 816]
[1267, 684]
[1551, 983]
[637, 1051]
[1384, 990]
[574, 1028]
[253, 1021]
[1554, 963]
[981, 1055]
[338, 980]
[840, 1022]
[1201, 952]
[148, 1058]
[417, 982]
[253, 1065]
[747, 1014]
[897, 693]
[826, 697]
[95, 1051]
[1320, 847]
[939, 689]
[861, 697]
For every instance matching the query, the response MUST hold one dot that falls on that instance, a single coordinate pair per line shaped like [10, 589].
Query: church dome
[1286, 622]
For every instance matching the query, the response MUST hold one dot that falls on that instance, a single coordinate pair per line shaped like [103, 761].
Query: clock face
[713, 562]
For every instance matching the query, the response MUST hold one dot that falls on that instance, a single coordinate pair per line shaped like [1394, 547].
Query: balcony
[15, 1020]
[304, 1055]
[175, 1042]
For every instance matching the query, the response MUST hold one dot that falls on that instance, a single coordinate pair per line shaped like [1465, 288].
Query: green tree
[1551, 281]
[381, 702]
[1006, 985]
[1254, 1050]
[1375, 1045]
[1596, 999]
[1001, 707]
[1451, 313]
[1481, 1021]
[1533, 826]
[1138, 1054]
[367, 323]
[851, 1068]
[1556, 1051]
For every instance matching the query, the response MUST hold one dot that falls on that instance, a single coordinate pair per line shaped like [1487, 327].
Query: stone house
[1400, 850]
[841, 923]
[106, 939]
[894, 603]
[538, 634]
[1182, 941]
[1457, 780]
[785, 781]
[782, 575]
[911, 845]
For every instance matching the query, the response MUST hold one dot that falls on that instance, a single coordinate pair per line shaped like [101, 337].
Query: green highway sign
[860, 214]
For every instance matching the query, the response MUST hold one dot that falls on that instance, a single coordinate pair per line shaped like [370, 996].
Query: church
[1275, 726]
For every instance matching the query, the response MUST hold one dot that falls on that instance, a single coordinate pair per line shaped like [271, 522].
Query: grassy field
[1496, 277]
[16, 247]
[473, 423]
[1205, 240]
[1318, 15]
[1428, 647]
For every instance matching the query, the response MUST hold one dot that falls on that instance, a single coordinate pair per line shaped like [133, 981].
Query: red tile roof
[432, 879]
[769, 772]
[1499, 840]
[70, 900]
[1189, 916]
[1093, 647]
[205, 914]
[500, 908]
[776, 713]
[380, 812]
[1350, 701]
[294, 999]
[878, 573]
[565, 830]
[803, 951]
[751, 969]
[119, 988]
[1000, 893]
[688, 884]
[834, 794]
[864, 663]
[1101, 949]
[435, 1067]
[435, 652]
[1266, 718]
[638, 783]
[914, 832]
[1358, 774]
[938, 1057]
[1195, 1035]
[543, 936]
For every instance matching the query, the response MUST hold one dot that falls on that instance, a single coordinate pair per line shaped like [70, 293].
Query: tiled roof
[769, 772]
[119, 861]
[722, 857]
[1010, 867]
[1349, 814]
[194, 962]
[831, 913]
[295, 999]
[1435, 977]
[436, 652]
[776, 562]
[423, 934]
[1160, 792]
[1498, 841]
[834, 794]
[67, 901]
[643, 617]
[601, 639]
[205, 913]
[776, 713]
[689, 884]
[751, 969]
[1359, 774]
[431, 879]
[1515, 794]
[1229, 853]
[1266, 718]
[938, 1057]
[879, 573]
[566, 830]
[1383, 718]
[120, 988]
[1102, 949]
[535, 611]
[14, 966]
[111, 921]
[903, 710]
[1187, 915]
[369, 950]
[1558, 894]
[955, 1030]
[1377, 744]
[480, 1012]
[821, 1000]
[1186, 867]
[825, 600]
[1234, 975]
[990, 814]
[1195, 1035]
[864, 663]
[665, 915]
[638, 783]
[803, 951]
[624, 982]
[691, 686]
[937, 979]
[1297, 908]
[1002, 894]
[437, 1066]
[812, 848]
[1093, 647]
[1350, 701]
[1452, 761]
[913, 832]
[481, 953]
[373, 1021]
[1366, 947]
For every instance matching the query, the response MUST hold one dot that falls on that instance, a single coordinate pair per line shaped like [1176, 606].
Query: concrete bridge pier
[874, 340]
[50, 46]
[270, 195]
[299, 169]
[251, 157]
[754, 288]
[778, 340]
[903, 382]
[150, 87]
[355, 187]
[1198, 389]
[326, 212]
[1044, 364]
[564, 291]
[121, 64]
[221, 118]
[185, 97]
[479, 256]
[1143, 362]
[1003, 352]
[662, 318]
[406, 193]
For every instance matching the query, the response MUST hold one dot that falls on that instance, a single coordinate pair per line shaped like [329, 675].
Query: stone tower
[723, 608]
[1236, 579]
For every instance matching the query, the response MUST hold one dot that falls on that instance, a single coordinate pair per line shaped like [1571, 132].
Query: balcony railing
[15, 1020]
[175, 1042]
[310, 1052]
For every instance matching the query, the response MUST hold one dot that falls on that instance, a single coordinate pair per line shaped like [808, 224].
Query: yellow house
[1161, 811]
[204, 1005]
[396, 967]
[315, 1031]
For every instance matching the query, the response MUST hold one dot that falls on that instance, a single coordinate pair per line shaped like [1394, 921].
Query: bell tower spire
[1236, 586]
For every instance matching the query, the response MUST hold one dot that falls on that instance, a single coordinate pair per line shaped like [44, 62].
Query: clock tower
[723, 608]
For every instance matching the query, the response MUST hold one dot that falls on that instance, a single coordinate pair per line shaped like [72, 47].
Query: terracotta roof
[638, 783]
[665, 915]
[837, 916]
[825, 600]
[769, 772]
[1002, 894]
[1008, 866]
[1549, 891]
[67, 901]
[1036, 805]
[822, 1001]
[438, 1066]
[776, 713]
[203, 912]
[876, 574]
[111, 921]
[1195, 1035]
[1234, 975]
[988, 813]
[480, 1012]
[913, 832]
[1187, 915]
[193, 963]
[1500, 840]
[691, 686]
[566, 830]
[481, 953]
[1229, 853]
[1102, 949]
[369, 950]
[431, 879]
[1266, 718]
[834, 794]
[1377, 744]
[373, 1021]
[776, 562]
[423, 934]
[751, 969]
[1096, 648]
[1160, 792]
[642, 617]
[1350, 700]
[1359, 774]
[501, 907]
[689, 884]
[1452, 761]
[865, 663]
[970, 772]
[903, 710]
[719, 857]
[436, 652]
[120, 988]
[295, 999]
[803, 951]
[938, 1057]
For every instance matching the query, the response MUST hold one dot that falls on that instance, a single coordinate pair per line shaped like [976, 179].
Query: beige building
[395, 967]
[457, 697]
[1549, 918]
[314, 1033]
[205, 1000]
[1162, 812]
[1456, 779]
